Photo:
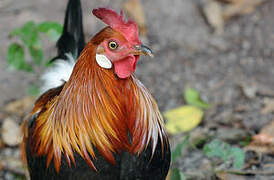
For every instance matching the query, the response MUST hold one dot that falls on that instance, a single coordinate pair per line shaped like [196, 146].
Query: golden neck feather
[96, 109]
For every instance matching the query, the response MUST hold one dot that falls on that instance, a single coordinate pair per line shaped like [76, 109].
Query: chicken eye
[112, 45]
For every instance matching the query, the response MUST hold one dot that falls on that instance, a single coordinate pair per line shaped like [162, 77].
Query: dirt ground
[233, 71]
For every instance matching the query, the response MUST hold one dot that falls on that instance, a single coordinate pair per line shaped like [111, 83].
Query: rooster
[96, 120]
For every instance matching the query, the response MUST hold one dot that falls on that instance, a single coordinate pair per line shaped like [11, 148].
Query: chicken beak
[143, 50]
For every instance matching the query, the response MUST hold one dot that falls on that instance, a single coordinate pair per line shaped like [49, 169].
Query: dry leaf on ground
[231, 1]
[217, 13]
[213, 13]
[240, 7]
[229, 176]
[11, 132]
[20, 106]
[268, 106]
[13, 164]
[135, 10]
[2, 145]
[249, 89]
[264, 141]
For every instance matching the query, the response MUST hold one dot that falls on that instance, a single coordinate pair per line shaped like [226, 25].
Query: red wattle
[125, 67]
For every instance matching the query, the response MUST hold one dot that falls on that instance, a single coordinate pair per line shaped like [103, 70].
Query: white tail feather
[58, 73]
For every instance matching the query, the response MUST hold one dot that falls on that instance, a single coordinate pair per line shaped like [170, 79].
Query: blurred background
[212, 76]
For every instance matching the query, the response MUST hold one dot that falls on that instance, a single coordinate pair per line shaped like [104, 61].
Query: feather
[69, 46]
[58, 73]
[72, 39]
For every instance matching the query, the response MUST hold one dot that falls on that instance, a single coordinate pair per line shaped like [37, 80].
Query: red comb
[117, 21]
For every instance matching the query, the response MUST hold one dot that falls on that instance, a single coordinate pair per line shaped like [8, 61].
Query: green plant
[184, 118]
[30, 39]
[216, 151]
[226, 153]
[177, 151]
[187, 117]
[177, 175]
[192, 97]
[176, 154]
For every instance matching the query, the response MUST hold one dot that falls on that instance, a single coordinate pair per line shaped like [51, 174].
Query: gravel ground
[232, 71]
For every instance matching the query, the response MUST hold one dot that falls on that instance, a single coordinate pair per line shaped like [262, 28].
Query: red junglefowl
[98, 121]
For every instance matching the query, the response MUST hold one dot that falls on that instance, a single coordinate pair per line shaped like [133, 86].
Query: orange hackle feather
[96, 109]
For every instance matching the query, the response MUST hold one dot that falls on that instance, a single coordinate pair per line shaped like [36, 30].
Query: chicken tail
[69, 45]
[72, 39]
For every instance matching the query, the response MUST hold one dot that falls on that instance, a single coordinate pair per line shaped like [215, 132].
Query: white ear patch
[103, 61]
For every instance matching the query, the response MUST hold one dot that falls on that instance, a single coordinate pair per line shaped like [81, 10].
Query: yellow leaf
[183, 118]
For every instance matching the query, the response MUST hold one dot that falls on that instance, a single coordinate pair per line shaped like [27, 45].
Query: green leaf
[225, 152]
[15, 32]
[13, 48]
[16, 58]
[27, 67]
[28, 27]
[238, 157]
[177, 175]
[28, 33]
[47, 25]
[177, 152]
[217, 148]
[51, 29]
[34, 40]
[36, 54]
[246, 141]
[192, 97]
[53, 35]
